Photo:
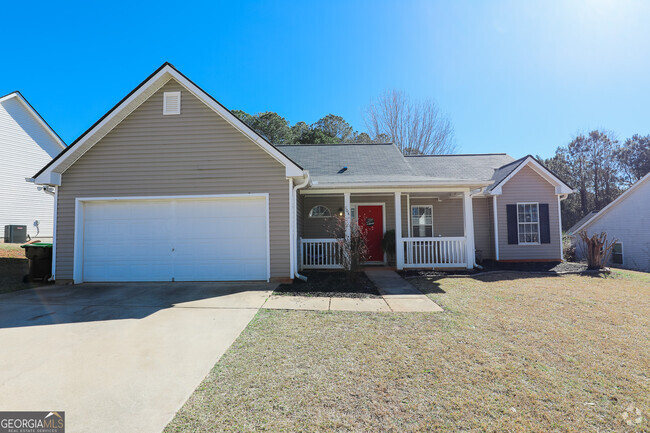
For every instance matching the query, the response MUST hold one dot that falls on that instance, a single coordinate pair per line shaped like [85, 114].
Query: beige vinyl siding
[528, 186]
[483, 226]
[319, 228]
[194, 153]
[447, 215]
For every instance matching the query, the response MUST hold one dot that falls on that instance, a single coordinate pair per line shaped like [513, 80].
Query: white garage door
[211, 239]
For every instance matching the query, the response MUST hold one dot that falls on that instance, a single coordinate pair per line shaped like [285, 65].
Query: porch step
[399, 294]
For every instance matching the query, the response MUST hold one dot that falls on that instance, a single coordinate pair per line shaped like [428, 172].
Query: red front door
[371, 219]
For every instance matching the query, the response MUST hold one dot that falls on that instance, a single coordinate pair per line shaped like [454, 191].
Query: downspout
[56, 207]
[55, 194]
[294, 226]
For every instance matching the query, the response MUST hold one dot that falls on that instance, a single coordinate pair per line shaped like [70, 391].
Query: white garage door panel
[176, 239]
[127, 241]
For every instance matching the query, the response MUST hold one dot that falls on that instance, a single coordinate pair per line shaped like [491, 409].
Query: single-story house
[170, 186]
[27, 143]
[626, 220]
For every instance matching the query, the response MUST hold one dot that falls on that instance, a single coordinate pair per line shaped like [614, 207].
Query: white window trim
[538, 224]
[411, 220]
[611, 258]
[168, 95]
[320, 216]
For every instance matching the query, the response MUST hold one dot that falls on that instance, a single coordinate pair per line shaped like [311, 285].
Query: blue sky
[514, 76]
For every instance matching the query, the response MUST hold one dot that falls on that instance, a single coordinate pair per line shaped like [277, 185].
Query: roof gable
[645, 180]
[51, 173]
[42, 124]
[507, 172]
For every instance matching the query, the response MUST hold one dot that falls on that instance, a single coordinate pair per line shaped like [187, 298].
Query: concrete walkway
[322, 303]
[398, 295]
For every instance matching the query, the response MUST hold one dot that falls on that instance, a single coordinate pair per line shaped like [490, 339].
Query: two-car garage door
[175, 239]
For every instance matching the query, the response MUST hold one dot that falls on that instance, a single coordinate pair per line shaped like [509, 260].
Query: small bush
[569, 248]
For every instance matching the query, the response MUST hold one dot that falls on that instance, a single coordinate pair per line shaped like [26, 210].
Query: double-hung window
[528, 223]
[422, 221]
[617, 254]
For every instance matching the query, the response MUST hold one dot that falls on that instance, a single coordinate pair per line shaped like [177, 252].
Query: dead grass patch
[11, 251]
[510, 353]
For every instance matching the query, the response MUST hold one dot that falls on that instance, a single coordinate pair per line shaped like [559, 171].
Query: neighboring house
[170, 186]
[626, 220]
[27, 143]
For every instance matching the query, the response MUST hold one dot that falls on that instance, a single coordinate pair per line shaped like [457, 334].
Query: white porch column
[399, 253]
[468, 219]
[348, 216]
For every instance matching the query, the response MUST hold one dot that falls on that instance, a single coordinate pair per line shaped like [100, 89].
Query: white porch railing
[435, 252]
[320, 254]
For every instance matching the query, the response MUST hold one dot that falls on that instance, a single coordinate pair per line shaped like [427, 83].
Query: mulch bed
[551, 268]
[329, 283]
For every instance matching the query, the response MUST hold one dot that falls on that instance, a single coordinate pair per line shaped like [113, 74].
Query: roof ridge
[332, 144]
[459, 154]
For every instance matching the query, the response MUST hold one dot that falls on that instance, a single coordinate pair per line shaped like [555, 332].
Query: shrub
[569, 248]
[598, 249]
[354, 251]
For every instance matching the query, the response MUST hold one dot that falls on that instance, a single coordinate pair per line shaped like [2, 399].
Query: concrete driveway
[117, 357]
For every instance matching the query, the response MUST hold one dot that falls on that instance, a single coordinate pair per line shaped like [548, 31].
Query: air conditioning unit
[15, 234]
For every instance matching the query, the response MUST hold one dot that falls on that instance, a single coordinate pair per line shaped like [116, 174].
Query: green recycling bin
[40, 261]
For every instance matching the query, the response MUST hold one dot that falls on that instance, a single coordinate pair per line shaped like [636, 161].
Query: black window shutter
[513, 235]
[544, 226]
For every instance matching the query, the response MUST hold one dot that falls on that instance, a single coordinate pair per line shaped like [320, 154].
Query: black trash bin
[40, 261]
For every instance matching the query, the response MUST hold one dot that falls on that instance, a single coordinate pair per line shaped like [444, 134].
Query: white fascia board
[383, 190]
[455, 183]
[560, 187]
[291, 169]
[607, 208]
[36, 116]
[47, 178]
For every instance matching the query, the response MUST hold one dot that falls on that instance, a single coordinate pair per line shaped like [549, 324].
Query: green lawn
[510, 353]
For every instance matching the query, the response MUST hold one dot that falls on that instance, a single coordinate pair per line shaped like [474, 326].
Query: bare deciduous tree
[416, 127]
[353, 251]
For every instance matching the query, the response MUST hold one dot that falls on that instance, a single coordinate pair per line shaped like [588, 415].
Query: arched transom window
[319, 211]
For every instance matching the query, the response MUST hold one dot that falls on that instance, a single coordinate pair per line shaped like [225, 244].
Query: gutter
[294, 226]
[356, 185]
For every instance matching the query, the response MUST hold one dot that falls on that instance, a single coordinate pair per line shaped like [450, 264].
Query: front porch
[434, 229]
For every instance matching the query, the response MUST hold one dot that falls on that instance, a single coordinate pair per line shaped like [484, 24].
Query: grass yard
[510, 353]
[11, 251]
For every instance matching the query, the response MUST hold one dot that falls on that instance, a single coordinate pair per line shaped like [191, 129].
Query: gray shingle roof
[479, 166]
[375, 163]
[583, 220]
[364, 162]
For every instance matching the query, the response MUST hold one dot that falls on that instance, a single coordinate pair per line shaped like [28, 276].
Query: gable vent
[171, 103]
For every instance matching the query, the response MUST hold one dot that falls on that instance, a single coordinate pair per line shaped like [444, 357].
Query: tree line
[599, 168]
[415, 126]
